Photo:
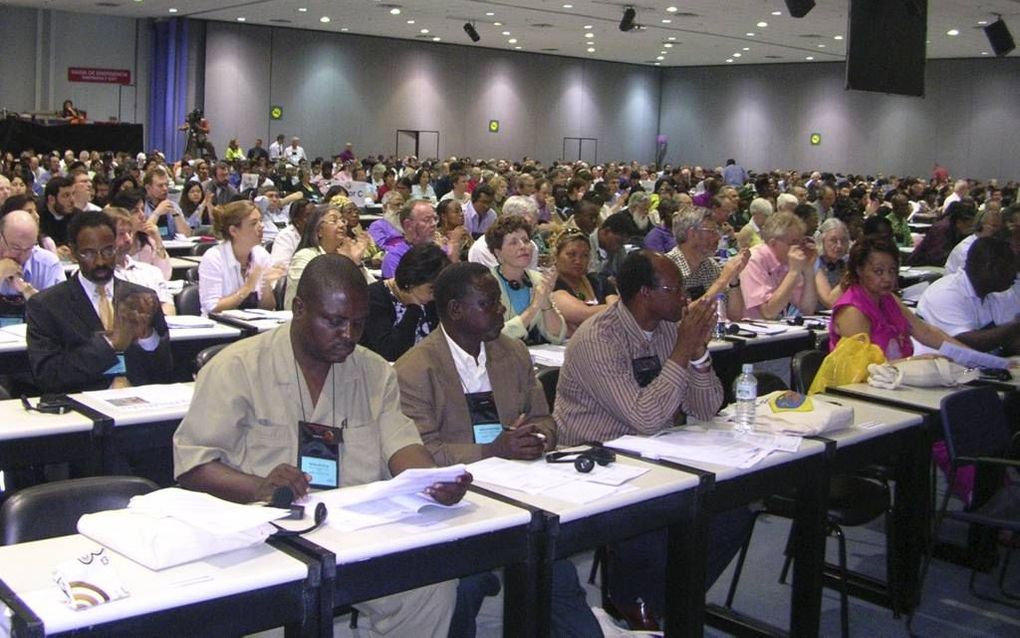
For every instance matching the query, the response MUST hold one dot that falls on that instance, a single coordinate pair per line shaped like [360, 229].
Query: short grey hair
[761, 206]
[687, 219]
[787, 202]
[830, 225]
[780, 224]
[521, 206]
[639, 198]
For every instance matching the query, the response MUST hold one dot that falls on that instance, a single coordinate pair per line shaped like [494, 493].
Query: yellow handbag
[847, 363]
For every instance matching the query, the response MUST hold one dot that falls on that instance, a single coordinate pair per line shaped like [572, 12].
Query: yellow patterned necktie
[105, 308]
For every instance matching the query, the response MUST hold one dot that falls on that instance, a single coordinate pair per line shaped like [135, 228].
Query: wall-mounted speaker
[1000, 38]
[799, 8]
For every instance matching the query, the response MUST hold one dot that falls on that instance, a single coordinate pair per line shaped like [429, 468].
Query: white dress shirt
[474, 377]
[220, 274]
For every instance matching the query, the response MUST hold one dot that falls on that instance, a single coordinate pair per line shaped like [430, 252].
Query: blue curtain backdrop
[168, 86]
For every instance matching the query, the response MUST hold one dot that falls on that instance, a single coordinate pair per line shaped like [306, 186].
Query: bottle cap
[747, 368]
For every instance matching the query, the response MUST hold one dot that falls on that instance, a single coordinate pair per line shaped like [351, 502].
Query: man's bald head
[326, 273]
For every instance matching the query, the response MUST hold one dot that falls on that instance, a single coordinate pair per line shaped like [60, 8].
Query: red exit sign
[102, 76]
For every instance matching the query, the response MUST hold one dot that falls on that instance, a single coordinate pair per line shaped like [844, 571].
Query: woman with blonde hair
[237, 272]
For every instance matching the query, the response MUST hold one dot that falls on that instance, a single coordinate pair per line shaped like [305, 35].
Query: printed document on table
[145, 397]
[548, 354]
[556, 480]
[762, 328]
[713, 447]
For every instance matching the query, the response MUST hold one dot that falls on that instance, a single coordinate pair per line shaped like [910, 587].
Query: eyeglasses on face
[90, 254]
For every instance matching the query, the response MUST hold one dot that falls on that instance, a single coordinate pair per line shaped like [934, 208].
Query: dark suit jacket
[431, 395]
[67, 350]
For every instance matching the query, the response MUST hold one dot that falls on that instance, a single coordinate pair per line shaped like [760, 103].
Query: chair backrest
[804, 367]
[769, 382]
[204, 355]
[200, 248]
[974, 423]
[191, 275]
[549, 377]
[280, 292]
[53, 509]
[188, 301]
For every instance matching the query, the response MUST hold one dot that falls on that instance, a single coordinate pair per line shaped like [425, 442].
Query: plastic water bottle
[724, 248]
[745, 391]
[721, 318]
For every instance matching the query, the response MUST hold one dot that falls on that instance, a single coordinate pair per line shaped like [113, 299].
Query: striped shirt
[598, 398]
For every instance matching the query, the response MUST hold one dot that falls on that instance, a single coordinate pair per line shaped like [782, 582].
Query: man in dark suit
[93, 331]
[473, 394]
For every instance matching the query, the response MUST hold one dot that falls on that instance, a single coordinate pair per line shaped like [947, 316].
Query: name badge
[319, 453]
[486, 432]
[118, 368]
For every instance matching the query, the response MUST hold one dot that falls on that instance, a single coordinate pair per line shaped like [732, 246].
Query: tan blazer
[431, 395]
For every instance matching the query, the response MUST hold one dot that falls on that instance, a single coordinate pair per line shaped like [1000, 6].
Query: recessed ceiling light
[747, 48]
[671, 9]
[410, 21]
[762, 24]
[568, 6]
[809, 58]
[821, 46]
[660, 58]
[749, 34]
[171, 10]
[497, 24]
[436, 38]
[737, 55]
[344, 29]
[657, 63]
[512, 41]
[591, 49]
[984, 53]
[518, 48]
[490, 13]
[303, 9]
[666, 21]
[241, 19]
[589, 35]
[777, 13]
[587, 27]
[983, 22]
[837, 37]
[663, 52]
[395, 11]
[672, 38]
[324, 19]
[423, 31]
[506, 33]
[953, 32]
[668, 45]
[729, 59]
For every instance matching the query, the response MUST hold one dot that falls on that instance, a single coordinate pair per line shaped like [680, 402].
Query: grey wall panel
[17, 82]
[763, 116]
[237, 84]
[338, 88]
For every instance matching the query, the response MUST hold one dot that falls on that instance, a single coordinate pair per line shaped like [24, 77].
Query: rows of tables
[297, 582]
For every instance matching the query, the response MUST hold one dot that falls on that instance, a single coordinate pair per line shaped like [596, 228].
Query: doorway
[421, 144]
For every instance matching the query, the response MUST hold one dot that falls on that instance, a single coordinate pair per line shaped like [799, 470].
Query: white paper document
[556, 480]
[547, 354]
[762, 328]
[17, 330]
[718, 447]
[257, 314]
[972, 358]
[189, 321]
[146, 397]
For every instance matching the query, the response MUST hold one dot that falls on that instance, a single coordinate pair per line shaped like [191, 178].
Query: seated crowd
[466, 263]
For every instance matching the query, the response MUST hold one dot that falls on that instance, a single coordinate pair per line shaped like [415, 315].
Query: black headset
[283, 498]
[584, 461]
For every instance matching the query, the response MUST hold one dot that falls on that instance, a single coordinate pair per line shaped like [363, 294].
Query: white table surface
[16, 343]
[17, 423]
[436, 525]
[889, 419]
[133, 417]
[658, 481]
[27, 569]
[924, 398]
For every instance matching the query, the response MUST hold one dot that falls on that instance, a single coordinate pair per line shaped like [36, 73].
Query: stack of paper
[548, 355]
[146, 397]
[556, 480]
[762, 328]
[189, 321]
[256, 314]
[714, 446]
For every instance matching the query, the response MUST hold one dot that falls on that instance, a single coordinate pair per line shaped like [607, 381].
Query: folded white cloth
[920, 373]
[174, 526]
[775, 412]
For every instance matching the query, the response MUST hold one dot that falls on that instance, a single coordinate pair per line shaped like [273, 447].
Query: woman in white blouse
[422, 188]
[237, 272]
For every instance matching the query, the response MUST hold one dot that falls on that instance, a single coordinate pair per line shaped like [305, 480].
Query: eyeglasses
[90, 254]
[710, 230]
[673, 289]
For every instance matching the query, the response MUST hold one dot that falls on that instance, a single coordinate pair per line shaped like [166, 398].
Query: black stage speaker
[799, 8]
[886, 46]
[1000, 38]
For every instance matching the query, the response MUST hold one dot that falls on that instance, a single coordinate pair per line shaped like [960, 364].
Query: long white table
[30, 438]
[239, 592]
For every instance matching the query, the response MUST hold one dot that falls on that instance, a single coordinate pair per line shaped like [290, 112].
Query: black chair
[53, 509]
[549, 377]
[188, 301]
[191, 275]
[977, 432]
[204, 355]
[280, 292]
[852, 501]
[804, 367]
[199, 249]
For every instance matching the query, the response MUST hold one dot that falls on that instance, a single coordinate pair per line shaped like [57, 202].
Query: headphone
[585, 460]
[283, 498]
[515, 285]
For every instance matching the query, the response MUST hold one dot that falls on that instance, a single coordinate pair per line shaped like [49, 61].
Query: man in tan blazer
[470, 389]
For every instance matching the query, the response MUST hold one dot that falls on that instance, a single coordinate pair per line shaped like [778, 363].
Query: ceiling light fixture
[324, 19]
[953, 32]
[302, 9]
[799, 8]
[395, 11]
[762, 24]
[471, 32]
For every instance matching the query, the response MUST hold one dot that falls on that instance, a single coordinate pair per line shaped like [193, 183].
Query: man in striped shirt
[637, 369]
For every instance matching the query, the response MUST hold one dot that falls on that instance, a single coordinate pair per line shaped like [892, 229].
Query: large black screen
[886, 46]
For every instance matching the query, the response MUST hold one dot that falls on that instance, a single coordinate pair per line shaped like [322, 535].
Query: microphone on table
[283, 498]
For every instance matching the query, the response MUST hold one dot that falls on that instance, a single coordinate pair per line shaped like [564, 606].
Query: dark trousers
[637, 566]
